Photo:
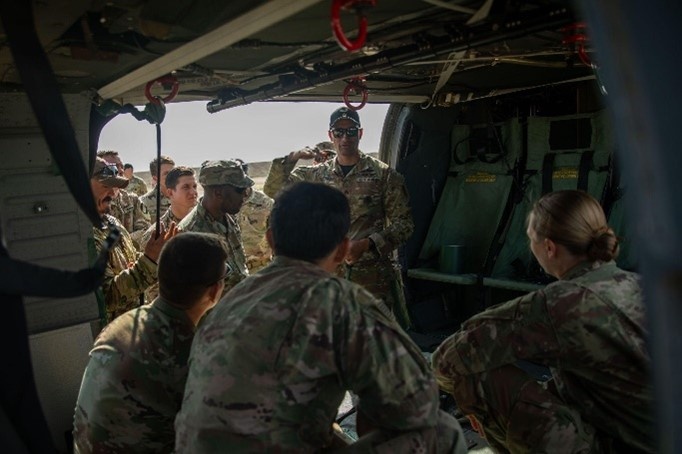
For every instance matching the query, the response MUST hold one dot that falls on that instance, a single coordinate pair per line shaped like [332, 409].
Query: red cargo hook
[573, 34]
[357, 5]
[163, 81]
[357, 86]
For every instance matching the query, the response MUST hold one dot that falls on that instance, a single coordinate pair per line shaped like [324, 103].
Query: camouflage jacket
[379, 204]
[128, 272]
[133, 384]
[200, 220]
[149, 201]
[272, 361]
[153, 290]
[589, 329]
[137, 186]
[130, 212]
[253, 223]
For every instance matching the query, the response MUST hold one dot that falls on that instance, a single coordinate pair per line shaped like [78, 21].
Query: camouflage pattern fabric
[149, 201]
[271, 362]
[128, 272]
[137, 186]
[131, 213]
[589, 330]
[200, 220]
[253, 223]
[379, 207]
[132, 387]
[153, 290]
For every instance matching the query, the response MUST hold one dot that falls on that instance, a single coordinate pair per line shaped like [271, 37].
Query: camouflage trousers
[448, 438]
[518, 413]
[383, 280]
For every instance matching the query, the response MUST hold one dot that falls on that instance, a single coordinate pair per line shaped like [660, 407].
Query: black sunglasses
[110, 170]
[349, 132]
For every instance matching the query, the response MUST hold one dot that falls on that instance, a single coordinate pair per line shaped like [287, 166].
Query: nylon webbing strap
[48, 105]
[547, 172]
[584, 169]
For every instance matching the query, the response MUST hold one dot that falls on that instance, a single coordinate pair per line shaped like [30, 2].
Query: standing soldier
[253, 223]
[149, 199]
[182, 193]
[381, 219]
[128, 273]
[126, 206]
[226, 188]
[137, 184]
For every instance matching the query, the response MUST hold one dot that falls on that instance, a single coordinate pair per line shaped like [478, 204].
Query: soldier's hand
[356, 249]
[155, 243]
[304, 153]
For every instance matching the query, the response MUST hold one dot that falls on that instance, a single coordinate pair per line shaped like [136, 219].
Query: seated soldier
[271, 363]
[133, 385]
[565, 368]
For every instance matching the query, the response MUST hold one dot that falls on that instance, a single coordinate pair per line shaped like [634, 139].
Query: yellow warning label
[566, 173]
[481, 177]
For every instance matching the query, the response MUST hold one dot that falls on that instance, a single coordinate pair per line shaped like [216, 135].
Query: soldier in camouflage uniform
[131, 213]
[253, 222]
[128, 273]
[137, 184]
[126, 207]
[271, 363]
[380, 212]
[149, 199]
[226, 188]
[133, 385]
[585, 333]
[182, 193]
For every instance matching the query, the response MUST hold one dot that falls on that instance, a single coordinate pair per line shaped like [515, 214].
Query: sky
[256, 132]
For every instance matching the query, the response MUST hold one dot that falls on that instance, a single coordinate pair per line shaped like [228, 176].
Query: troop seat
[473, 201]
[549, 166]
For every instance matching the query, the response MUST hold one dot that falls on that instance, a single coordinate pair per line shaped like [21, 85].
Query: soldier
[149, 199]
[565, 368]
[126, 206]
[132, 387]
[226, 188]
[137, 184]
[381, 219]
[253, 222]
[271, 363]
[128, 273]
[181, 187]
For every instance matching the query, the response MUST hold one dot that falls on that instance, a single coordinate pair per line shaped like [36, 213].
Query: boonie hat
[344, 112]
[107, 174]
[230, 171]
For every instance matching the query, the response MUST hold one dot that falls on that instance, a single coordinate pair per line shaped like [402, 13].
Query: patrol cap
[107, 174]
[230, 171]
[344, 112]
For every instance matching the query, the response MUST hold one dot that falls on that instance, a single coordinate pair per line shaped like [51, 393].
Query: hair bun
[604, 245]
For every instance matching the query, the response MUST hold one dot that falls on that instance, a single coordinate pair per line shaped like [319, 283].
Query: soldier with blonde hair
[565, 368]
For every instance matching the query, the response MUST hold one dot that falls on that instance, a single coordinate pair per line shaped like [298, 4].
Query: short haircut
[105, 153]
[309, 220]
[154, 164]
[127, 166]
[175, 174]
[189, 263]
